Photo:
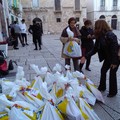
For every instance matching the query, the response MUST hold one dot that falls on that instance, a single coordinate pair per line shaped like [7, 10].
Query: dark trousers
[88, 60]
[14, 41]
[24, 37]
[75, 63]
[37, 39]
[18, 35]
[112, 77]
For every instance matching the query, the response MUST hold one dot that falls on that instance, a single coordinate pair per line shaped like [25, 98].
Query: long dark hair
[101, 27]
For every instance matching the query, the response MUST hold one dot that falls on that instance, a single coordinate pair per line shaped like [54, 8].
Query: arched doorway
[114, 22]
[102, 17]
[38, 20]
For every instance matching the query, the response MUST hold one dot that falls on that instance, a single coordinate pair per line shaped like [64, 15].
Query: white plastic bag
[88, 96]
[69, 108]
[86, 108]
[57, 68]
[42, 71]
[7, 87]
[20, 73]
[2, 107]
[17, 114]
[72, 49]
[78, 74]
[50, 113]
[90, 85]
[49, 78]
[70, 33]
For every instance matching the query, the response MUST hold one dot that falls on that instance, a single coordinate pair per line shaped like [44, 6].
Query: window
[102, 5]
[57, 5]
[102, 2]
[35, 3]
[12, 19]
[77, 5]
[58, 19]
[115, 2]
[77, 19]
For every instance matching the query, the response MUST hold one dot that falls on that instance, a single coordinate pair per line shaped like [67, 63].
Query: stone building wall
[46, 12]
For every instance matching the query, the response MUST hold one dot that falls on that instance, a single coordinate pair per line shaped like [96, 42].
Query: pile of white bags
[50, 96]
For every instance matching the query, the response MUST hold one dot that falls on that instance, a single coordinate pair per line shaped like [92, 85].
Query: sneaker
[27, 44]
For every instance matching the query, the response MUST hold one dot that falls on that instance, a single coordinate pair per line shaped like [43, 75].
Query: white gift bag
[50, 113]
[86, 108]
[72, 49]
[17, 114]
[90, 85]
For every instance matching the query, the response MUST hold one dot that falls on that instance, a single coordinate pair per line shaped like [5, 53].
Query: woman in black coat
[87, 43]
[107, 47]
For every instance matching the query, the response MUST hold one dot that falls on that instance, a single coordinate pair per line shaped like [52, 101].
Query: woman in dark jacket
[87, 43]
[107, 47]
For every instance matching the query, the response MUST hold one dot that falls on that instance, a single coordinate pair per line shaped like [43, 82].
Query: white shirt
[23, 27]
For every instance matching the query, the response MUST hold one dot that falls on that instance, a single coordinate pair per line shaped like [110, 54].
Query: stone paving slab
[49, 56]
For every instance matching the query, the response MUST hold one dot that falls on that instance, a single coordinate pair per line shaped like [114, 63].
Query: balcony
[57, 10]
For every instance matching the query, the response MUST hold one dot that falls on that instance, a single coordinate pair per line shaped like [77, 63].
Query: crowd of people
[99, 40]
[106, 45]
[18, 32]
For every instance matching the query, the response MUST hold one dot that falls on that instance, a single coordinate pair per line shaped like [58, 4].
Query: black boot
[35, 46]
[81, 66]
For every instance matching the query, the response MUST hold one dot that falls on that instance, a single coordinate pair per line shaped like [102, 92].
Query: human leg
[67, 61]
[20, 38]
[25, 35]
[88, 63]
[76, 64]
[104, 69]
[39, 42]
[113, 81]
[82, 61]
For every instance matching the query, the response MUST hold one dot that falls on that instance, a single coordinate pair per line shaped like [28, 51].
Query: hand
[113, 66]
[70, 39]
[89, 36]
[77, 40]
[83, 59]
[93, 36]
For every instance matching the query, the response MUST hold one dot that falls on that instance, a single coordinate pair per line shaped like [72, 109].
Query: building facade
[104, 9]
[10, 10]
[54, 14]
[15, 10]
[3, 19]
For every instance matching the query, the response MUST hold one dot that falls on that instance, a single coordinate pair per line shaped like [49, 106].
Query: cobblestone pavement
[49, 56]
